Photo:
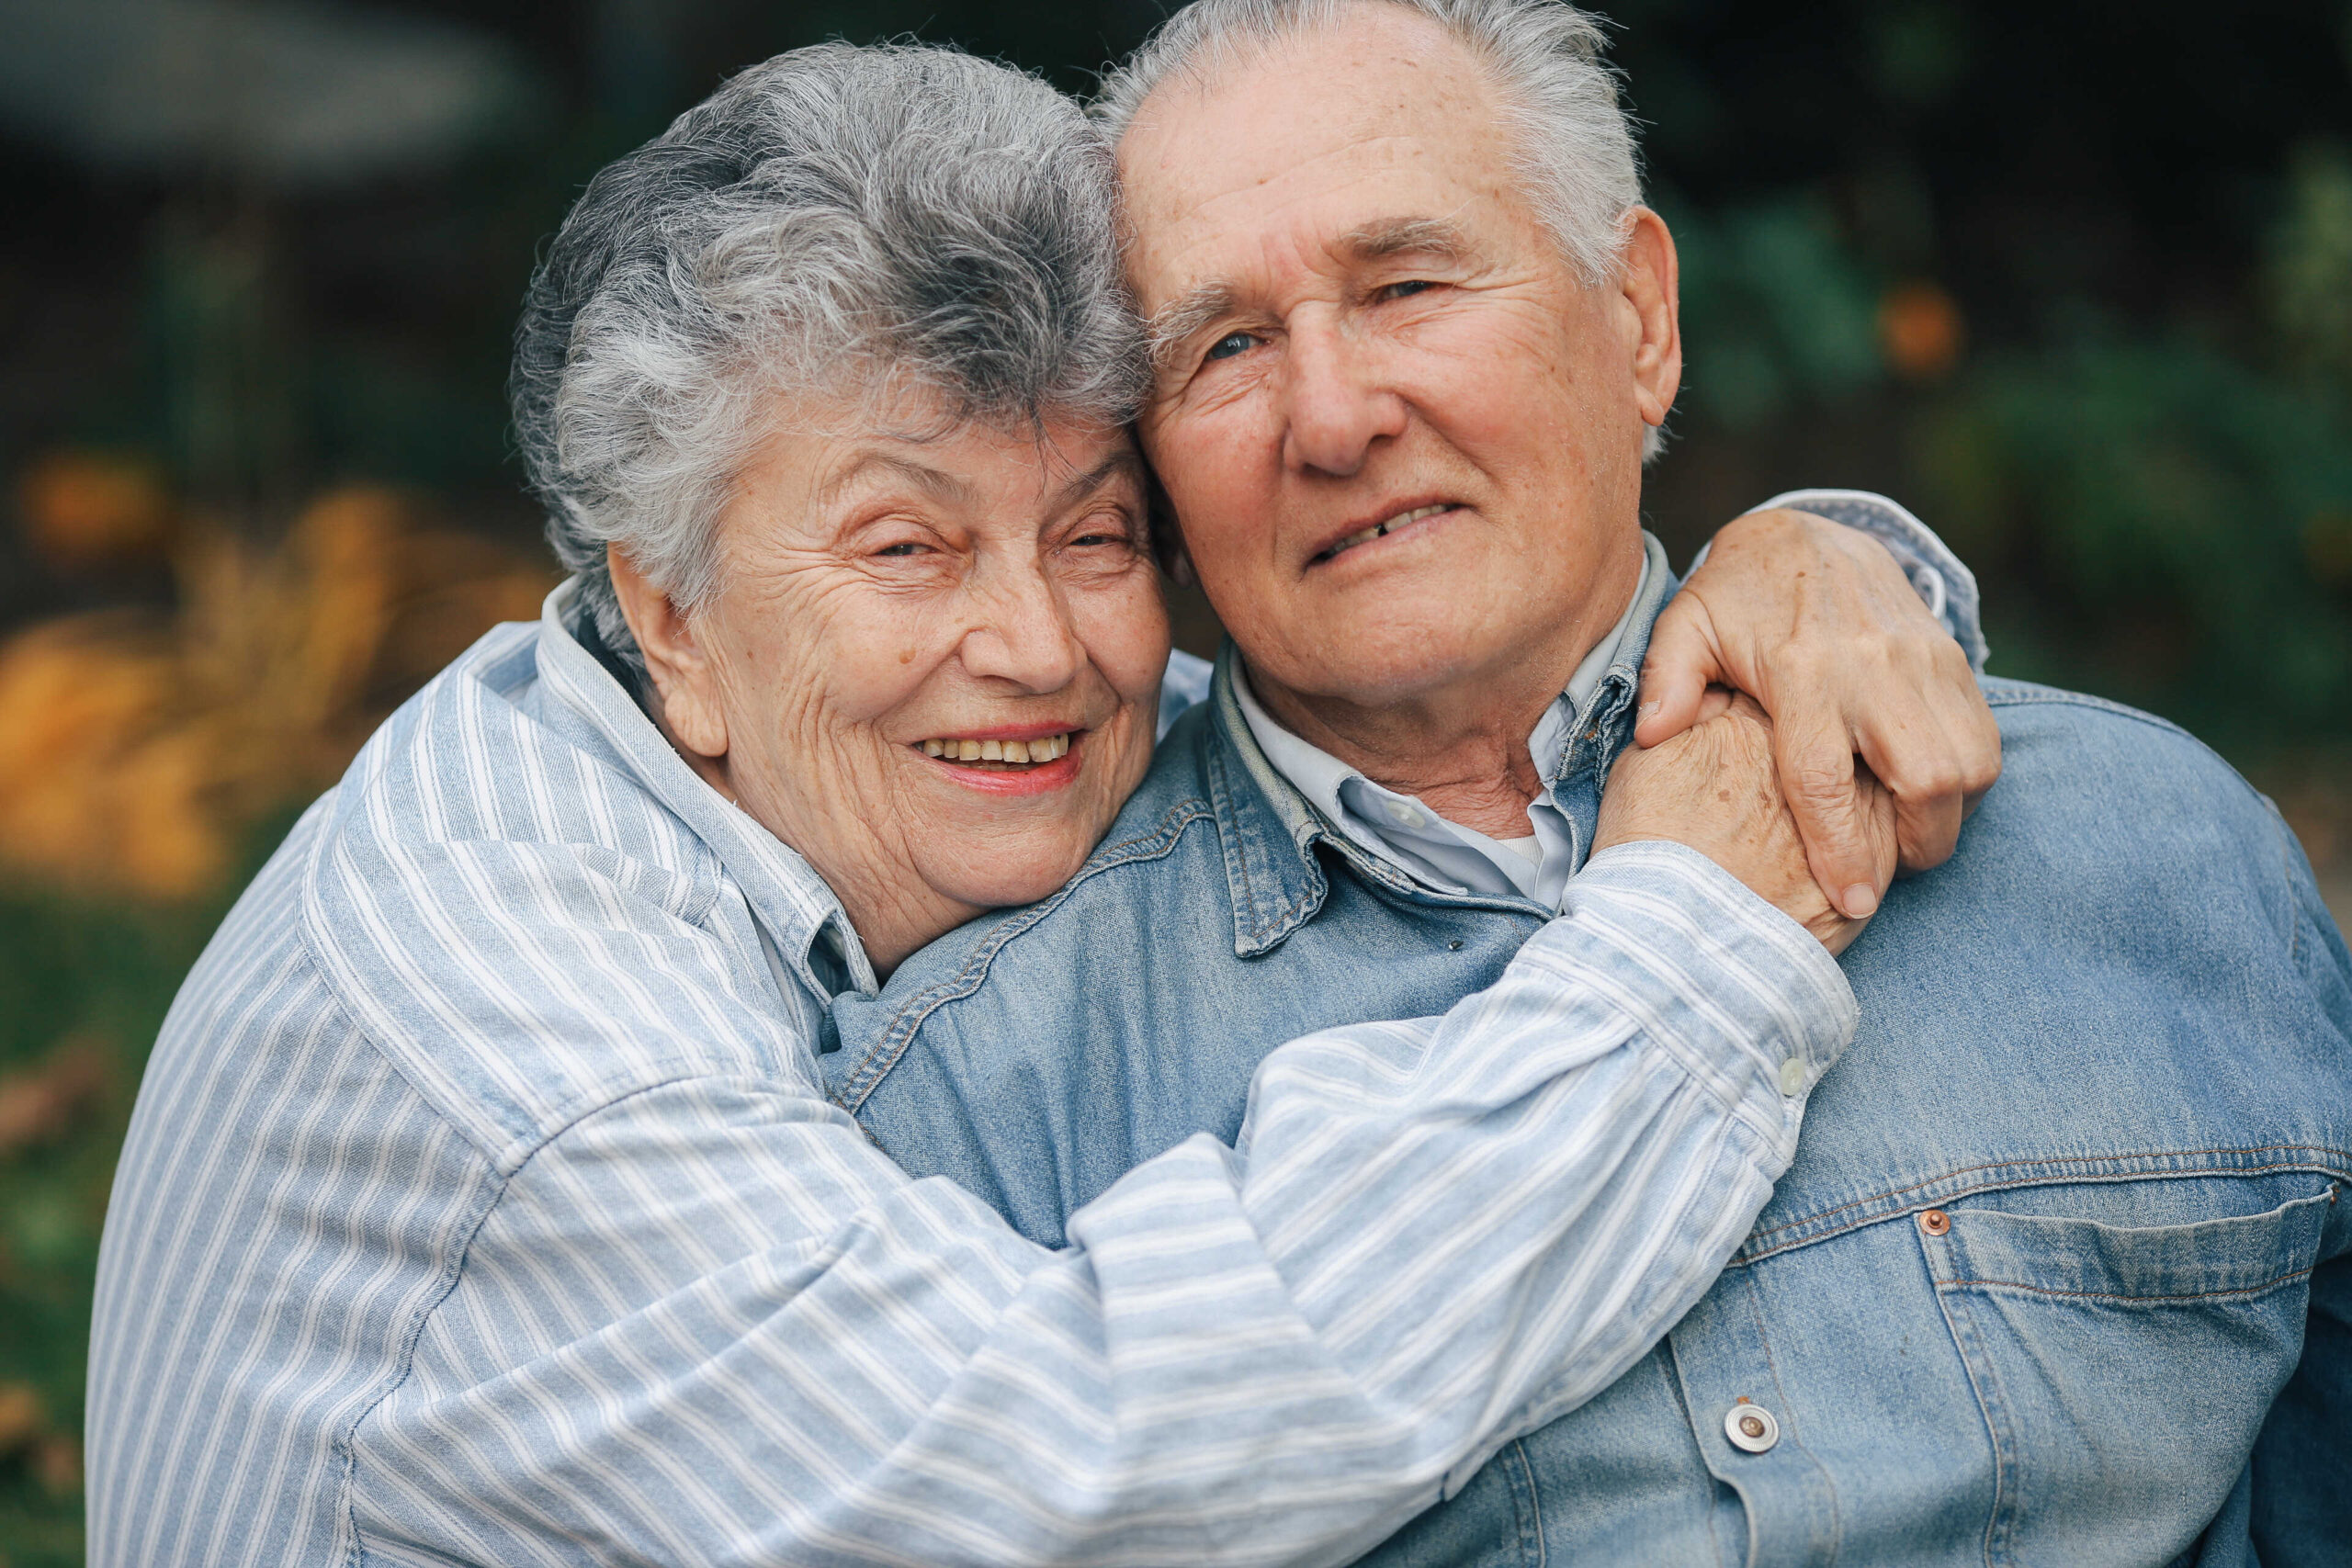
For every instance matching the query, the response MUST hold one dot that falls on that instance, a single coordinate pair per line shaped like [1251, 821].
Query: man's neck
[1462, 748]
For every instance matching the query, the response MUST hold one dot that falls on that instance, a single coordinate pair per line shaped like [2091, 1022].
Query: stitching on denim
[2124, 1167]
[1534, 1501]
[2119, 1295]
[887, 1051]
[1237, 863]
[1961, 1339]
[1789, 1424]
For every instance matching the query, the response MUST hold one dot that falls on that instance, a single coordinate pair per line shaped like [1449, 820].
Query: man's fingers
[1832, 816]
[1683, 662]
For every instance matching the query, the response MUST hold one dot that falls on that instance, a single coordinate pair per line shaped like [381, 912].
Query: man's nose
[1020, 631]
[1334, 405]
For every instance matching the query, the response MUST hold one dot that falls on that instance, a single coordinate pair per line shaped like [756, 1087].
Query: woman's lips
[1001, 776]
[998, 748]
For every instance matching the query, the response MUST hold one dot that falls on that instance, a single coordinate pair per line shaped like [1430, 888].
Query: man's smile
[1386, 527]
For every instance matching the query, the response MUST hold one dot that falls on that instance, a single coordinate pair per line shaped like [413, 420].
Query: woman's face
[932, 665]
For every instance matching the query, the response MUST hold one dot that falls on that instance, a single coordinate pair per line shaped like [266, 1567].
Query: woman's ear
[683, 679]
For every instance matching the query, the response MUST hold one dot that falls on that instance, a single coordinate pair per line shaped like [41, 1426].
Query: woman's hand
[1819, 625]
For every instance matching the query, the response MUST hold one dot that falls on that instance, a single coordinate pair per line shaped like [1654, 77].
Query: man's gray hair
[837, 221]
[1574, 148]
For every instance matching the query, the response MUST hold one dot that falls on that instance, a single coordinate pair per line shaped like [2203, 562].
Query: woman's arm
[1858, 651]
[709, 1321]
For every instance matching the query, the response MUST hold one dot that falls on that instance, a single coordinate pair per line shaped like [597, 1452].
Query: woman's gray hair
[1574, 148]
[866, 221]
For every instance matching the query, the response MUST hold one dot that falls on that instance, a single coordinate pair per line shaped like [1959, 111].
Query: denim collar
[1269, 830]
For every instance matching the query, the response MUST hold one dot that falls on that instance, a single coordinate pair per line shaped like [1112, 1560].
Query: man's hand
[1818, 623]
[1713, 788]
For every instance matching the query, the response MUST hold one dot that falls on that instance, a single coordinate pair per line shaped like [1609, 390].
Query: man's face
[1402, 439]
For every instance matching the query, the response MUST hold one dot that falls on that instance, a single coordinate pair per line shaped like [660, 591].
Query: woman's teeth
[1380, 530]
[1044, 748]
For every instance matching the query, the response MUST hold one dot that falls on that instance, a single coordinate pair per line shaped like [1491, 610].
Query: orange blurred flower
[1919, 331]
[88, 508]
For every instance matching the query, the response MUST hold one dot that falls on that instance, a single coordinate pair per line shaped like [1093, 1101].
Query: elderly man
[2059, 1273]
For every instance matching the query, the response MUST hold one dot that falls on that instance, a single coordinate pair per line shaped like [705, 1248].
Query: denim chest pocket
[2124, 1370]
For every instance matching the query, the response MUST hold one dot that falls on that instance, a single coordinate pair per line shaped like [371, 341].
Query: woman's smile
[1021, 760]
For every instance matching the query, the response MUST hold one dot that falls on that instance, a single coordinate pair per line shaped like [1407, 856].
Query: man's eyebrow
[1174, 323]
[1407, 236]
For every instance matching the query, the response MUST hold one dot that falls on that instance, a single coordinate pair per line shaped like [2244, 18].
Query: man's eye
[904, 549]
[1408, 288]
[1230, 345]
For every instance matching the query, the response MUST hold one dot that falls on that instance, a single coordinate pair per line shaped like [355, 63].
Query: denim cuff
[1752, 1004]
[1941, 579]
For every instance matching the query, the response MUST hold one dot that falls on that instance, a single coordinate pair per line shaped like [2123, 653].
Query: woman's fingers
[1936, 756]
[1683, 662]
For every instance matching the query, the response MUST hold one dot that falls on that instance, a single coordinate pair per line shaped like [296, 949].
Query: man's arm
[709, 1321]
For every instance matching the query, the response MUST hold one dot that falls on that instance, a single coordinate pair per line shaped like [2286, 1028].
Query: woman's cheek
[1124, 627]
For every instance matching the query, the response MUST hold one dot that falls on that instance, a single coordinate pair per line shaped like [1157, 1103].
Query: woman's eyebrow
[1077, 487]
[937, 481]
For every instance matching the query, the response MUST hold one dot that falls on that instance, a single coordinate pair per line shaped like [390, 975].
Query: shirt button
[1751, 1427]
[1791, 1076]
[1403, 815]
[1935, 1222]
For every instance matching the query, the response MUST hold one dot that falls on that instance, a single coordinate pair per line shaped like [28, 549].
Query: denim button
[1751, 1427]
[1935, 1222]
[1791, 1075]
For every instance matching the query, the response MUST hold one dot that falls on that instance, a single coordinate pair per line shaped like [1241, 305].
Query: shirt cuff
[1747, 998]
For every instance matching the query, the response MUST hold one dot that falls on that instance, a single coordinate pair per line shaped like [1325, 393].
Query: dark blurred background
[2074, 280]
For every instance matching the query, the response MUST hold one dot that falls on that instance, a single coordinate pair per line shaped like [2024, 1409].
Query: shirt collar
[792, 903]
[1403, 832]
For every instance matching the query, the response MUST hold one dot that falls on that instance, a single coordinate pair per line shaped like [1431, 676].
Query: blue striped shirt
[482, 1205]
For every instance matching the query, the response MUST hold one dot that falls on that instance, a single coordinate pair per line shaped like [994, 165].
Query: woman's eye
[1230, 345]
[1105, 534]
[902, 549]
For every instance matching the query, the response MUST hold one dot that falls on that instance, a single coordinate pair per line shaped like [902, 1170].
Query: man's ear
[1652, 312]
[682, 677]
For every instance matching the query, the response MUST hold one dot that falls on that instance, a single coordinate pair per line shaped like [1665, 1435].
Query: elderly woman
[482, 1203]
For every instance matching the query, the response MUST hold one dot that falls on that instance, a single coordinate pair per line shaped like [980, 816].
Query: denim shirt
[2060, 1274]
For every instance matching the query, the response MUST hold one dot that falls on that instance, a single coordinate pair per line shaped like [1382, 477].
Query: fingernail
[1642, 714]
[1860, 901]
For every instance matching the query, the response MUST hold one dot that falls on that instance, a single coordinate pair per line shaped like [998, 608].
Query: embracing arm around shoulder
[1857, 630]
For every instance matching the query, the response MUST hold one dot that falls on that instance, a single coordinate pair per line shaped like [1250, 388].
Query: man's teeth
[1380, 530]
[1043, 750]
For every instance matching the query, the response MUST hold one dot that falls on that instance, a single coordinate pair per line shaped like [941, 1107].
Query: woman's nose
[1020, 632]
[1333, 408]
